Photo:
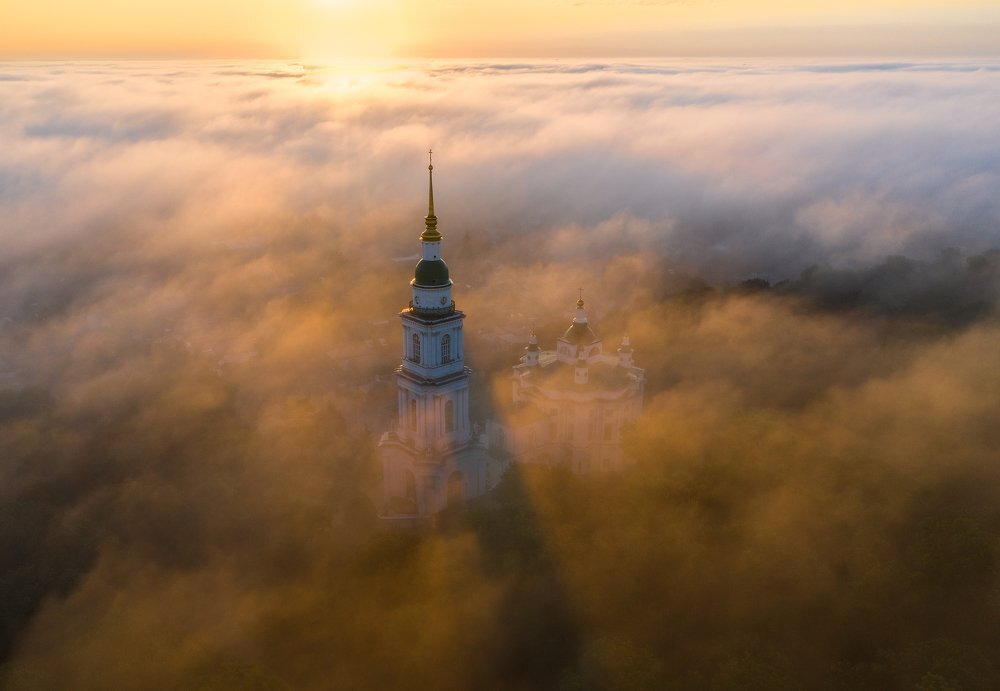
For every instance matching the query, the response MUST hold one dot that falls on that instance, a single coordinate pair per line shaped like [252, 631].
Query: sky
[324, 29]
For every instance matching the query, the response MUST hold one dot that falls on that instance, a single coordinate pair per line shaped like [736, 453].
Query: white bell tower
[433, 380]
[431, 459]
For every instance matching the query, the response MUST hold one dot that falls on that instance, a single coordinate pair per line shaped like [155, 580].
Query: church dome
[580, 333]
[431, 273]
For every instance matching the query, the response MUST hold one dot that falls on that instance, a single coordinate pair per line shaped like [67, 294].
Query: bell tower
[432, 458]
[433, 380]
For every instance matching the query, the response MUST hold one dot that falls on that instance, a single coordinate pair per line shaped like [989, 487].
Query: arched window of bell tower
[416, 348]
[445, 348]
[412, 414]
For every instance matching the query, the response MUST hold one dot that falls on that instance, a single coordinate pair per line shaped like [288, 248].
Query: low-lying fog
[200, 268]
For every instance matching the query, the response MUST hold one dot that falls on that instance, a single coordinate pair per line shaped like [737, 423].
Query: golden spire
[579, 303]
[430, 233]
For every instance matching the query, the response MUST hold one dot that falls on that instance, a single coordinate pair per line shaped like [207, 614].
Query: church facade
[569, 405]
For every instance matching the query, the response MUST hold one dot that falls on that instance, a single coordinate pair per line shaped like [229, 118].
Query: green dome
[580, 334]
[431, 273]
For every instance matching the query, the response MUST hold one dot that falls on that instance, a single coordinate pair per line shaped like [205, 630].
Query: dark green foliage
[951, 288]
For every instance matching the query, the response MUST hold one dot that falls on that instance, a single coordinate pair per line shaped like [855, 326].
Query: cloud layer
[199, 269]
[738, 169]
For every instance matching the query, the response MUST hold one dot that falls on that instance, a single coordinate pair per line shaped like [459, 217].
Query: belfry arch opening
[416, 348]
[445, 349]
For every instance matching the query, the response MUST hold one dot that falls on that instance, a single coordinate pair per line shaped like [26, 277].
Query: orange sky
[454, 28]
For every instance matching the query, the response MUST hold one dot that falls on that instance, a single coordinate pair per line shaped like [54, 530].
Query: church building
[569, 406]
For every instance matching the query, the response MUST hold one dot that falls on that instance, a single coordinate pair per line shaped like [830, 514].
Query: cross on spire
[430, 221]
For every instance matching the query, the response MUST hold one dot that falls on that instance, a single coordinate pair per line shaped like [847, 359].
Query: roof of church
[430, 233]
[602, 374]
[431, 273]
[580, 334]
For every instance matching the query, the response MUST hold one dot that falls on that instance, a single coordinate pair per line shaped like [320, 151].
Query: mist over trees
[813, 505]
[197, 303]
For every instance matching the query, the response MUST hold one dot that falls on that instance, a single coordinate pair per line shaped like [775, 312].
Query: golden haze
[481, 28]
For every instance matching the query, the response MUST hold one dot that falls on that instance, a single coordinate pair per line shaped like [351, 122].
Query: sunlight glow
[317, 29]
